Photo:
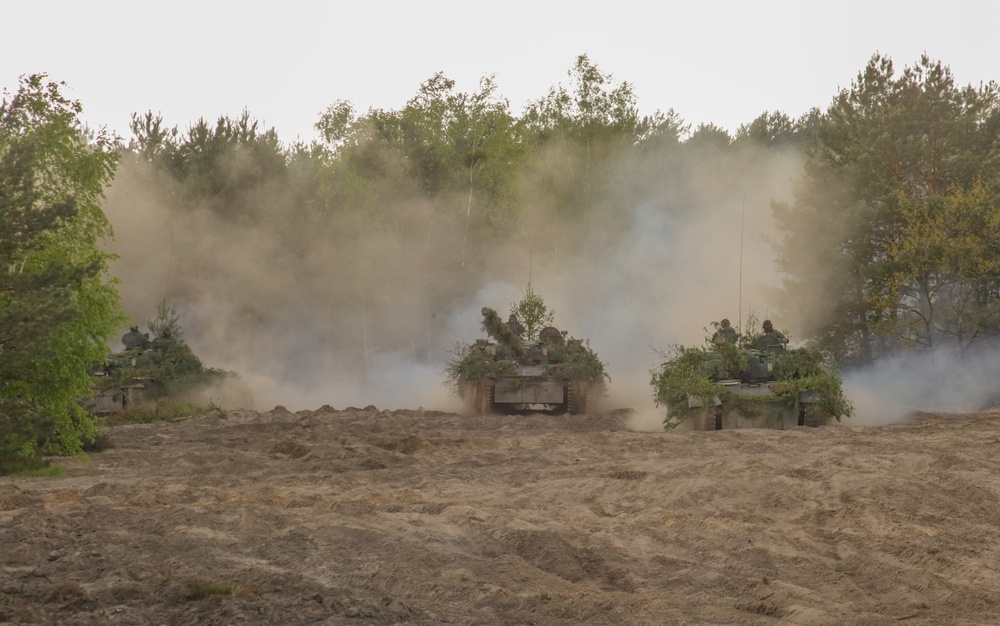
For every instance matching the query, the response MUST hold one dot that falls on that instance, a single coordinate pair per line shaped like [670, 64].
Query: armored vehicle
[505, 373]
[121, 381]
[167, 369]
[731, 385]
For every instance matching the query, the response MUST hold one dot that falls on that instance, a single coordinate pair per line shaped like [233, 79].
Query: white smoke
[941, 380]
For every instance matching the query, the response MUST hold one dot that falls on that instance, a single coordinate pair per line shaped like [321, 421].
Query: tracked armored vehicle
[730, 386]
[118, 382]
[506, 374]
[135, 376]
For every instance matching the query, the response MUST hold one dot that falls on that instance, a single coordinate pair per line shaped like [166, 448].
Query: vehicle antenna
[170, 259]
[743, 214]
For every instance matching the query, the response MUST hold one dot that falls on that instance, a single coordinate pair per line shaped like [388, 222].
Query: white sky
[721, 62]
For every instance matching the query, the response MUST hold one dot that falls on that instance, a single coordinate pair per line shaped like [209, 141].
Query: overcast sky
[712, 62]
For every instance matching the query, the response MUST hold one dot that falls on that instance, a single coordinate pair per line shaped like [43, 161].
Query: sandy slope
[367, 517]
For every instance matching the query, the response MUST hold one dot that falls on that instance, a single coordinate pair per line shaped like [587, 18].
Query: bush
[162, 410]
[28, 466]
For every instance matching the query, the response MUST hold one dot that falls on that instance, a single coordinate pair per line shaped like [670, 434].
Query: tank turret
[507, 373]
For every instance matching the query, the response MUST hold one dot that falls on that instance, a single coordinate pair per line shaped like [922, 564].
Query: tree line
[888, 243]
[897, 214]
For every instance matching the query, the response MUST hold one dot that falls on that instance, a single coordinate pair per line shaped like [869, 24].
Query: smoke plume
[328, 311]
[307, 319]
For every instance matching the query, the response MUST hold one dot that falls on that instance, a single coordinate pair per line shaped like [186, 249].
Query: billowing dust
[312, 309]
[368, 516]
[318, 306]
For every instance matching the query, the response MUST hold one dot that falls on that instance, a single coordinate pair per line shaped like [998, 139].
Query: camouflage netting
[568, 359]
[505, 337]
[174, 367]
[696, 372]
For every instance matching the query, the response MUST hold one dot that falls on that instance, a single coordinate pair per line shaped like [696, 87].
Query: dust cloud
[310, 314]
[944, 379]
[308, 320]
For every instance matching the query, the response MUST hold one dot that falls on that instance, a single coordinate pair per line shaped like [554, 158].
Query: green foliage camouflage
[169, 368]
[167, 322]
[681, 376]
[567, 359]
[174, 370]
[161, 410]
[697, 371]
[533, 313]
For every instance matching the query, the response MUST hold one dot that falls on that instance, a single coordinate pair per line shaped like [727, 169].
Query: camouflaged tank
[505, 373]
[748, 384]
[167, 368]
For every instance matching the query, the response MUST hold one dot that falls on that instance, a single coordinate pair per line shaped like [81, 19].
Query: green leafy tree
[773, 129]
[463, 149]
[949, 251]
[58, 305]
[580, 133]
[533, 314]
[167, 321]
[444, 166]
[491, 150]
[901, 180]
[151, 140]
[708, 137]
[30, 301]
[234, 167]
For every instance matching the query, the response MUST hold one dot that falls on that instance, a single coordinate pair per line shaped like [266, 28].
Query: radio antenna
[743, 215]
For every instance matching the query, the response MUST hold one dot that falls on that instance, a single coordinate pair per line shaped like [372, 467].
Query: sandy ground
[361, 516]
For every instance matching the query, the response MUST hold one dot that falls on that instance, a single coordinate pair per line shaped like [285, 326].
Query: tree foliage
[580, 133]
[900, 188]
[773, 129]
[533, 313]
[233, 166]
[58, 305]
[167, 321]
[169, 371]
[558, 356]
[888, 243]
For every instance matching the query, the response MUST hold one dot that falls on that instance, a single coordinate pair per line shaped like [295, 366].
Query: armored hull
[757, 405]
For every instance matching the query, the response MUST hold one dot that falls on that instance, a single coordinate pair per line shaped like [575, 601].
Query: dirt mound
[364, 516]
